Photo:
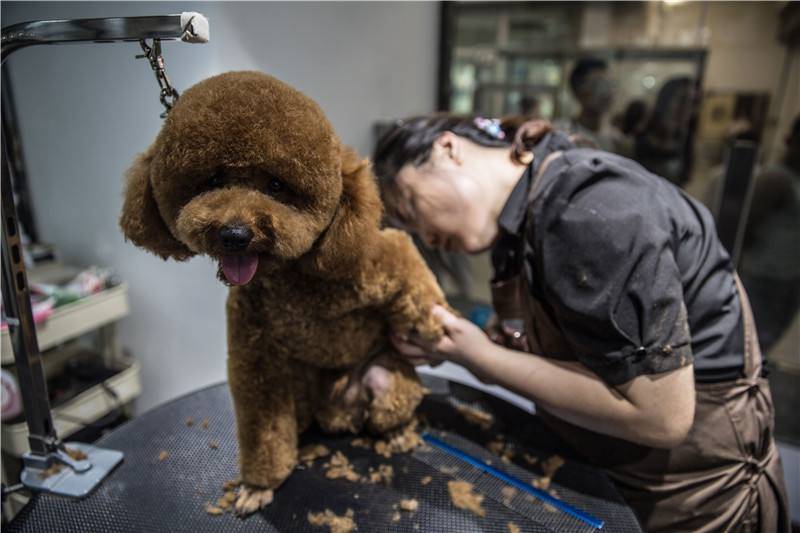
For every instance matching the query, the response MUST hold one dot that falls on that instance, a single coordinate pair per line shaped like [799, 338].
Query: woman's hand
[464, 343]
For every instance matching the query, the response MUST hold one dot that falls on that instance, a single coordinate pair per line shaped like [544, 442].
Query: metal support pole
[17, 303]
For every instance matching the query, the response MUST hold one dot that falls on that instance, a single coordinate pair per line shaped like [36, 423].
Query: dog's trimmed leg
[306, 387]
[266, 425]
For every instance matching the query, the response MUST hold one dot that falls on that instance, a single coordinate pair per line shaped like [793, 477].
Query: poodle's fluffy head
[247, 170]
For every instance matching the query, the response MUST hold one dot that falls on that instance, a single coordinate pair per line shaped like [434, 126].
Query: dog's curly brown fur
[244, 149]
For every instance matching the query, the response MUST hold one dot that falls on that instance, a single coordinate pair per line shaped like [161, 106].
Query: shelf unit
[58, 342]
[73, 320]
[88, 406]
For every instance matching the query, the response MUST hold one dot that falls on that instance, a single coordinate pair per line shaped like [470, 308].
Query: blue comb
[562, 506]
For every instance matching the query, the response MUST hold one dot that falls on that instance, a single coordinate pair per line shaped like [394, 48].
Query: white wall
[86, 110]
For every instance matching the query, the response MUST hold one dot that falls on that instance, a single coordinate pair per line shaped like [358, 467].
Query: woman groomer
[642, 351]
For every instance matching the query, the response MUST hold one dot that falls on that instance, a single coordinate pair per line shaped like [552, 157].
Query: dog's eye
[217, 180]
[276, 185]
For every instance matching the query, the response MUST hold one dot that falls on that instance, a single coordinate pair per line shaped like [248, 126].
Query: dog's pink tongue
[239, 269]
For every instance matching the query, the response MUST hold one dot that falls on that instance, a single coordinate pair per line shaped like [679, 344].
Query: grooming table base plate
[66, 482]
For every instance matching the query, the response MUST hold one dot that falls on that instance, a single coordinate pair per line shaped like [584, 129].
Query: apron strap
[752, 350]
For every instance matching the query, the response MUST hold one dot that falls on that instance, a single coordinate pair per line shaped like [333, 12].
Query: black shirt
[628, 266]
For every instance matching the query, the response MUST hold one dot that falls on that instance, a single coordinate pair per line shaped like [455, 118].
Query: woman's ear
[448, 146]
[356, 221]
[141, 221]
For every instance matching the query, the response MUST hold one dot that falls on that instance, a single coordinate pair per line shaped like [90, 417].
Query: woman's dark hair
[411, 141]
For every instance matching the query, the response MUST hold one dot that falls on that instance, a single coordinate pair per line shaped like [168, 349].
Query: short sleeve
[605, 258]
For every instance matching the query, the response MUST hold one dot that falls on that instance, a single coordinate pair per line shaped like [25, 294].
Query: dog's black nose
[235, 238]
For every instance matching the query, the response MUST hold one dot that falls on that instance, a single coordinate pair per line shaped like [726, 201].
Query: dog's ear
[356, 221]
[141, 221]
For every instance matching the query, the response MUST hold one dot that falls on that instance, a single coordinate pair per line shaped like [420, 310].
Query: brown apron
[726, 475]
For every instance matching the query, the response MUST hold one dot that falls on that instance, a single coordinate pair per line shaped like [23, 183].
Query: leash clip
[167, 94]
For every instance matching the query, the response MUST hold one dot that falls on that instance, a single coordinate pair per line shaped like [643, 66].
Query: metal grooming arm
[79, 472]
[189, 27]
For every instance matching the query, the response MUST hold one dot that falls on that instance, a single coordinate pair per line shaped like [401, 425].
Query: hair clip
[490, 126]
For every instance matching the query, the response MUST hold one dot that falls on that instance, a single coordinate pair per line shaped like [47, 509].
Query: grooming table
[150, 492]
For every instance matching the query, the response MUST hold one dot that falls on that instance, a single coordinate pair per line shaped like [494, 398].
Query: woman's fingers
[413, 353]
[408, 349]
[453, 328]
[416, 351]
[445, 346]
[448, 319]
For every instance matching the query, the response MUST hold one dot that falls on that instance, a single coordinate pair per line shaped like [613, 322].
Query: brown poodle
[248, 171]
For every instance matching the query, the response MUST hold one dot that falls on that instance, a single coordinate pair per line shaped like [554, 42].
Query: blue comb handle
[562, 506]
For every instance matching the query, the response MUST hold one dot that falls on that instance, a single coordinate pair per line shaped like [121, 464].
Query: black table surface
[149, 492]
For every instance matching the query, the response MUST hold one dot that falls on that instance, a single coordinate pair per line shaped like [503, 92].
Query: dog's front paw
[414, 316]
[251, 499]
[428, 328]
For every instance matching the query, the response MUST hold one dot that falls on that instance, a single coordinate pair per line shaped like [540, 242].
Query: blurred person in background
[592, 88]
[630, 123]
[661, 147]
[770, 261]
